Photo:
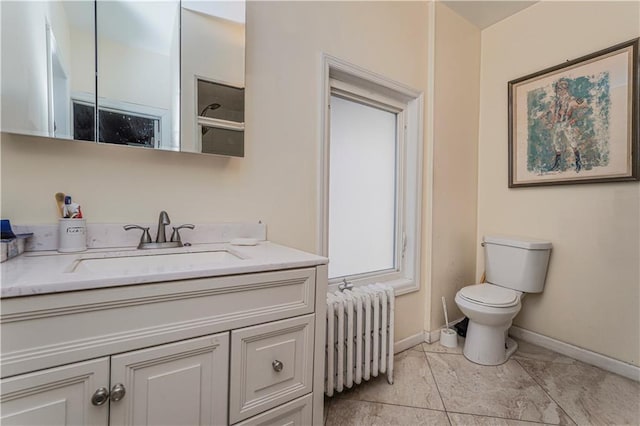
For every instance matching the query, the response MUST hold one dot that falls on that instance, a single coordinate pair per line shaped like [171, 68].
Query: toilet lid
[490, 295]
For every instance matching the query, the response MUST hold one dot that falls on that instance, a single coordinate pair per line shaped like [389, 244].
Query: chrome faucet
[163, 220]
[161, 236]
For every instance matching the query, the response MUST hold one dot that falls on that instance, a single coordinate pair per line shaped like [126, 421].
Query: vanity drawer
[270, 364]
[296, 413]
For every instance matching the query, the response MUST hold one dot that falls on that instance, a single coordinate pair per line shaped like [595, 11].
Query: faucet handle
[175, 236]
[144, 238]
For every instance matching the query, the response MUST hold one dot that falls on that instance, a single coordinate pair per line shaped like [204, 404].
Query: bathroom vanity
[208, 334]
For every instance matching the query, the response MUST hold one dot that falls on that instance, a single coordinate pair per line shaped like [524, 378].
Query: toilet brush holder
[448, 338]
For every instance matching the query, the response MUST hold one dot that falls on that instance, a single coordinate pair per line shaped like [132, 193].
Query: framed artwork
[577, 122]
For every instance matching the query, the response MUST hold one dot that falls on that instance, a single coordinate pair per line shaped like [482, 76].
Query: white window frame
[357, 84]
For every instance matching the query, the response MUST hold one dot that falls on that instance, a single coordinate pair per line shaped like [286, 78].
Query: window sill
[400, 286]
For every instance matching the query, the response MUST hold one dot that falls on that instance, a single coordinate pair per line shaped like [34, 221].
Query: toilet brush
[448, 337]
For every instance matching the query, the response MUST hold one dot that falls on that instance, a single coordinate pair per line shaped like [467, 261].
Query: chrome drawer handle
[117, 392]
[277, 365]
[100, 396]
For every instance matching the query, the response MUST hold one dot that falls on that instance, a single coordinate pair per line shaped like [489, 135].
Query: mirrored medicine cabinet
[164, 74]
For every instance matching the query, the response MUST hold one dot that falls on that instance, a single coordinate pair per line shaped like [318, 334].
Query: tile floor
[434, 385]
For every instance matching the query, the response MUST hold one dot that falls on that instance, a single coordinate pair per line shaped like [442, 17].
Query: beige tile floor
[434, 385]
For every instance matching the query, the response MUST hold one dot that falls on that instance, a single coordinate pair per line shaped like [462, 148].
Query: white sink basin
[138, 262]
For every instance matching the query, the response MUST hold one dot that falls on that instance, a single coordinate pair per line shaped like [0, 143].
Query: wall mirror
[139, 61]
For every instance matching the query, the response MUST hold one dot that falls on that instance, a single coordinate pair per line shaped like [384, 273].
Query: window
[362, 188]
[220, 118]
[119, 122]
[372, 162]
[118, 127]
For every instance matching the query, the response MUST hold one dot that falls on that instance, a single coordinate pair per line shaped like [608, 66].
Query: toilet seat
[490, 295]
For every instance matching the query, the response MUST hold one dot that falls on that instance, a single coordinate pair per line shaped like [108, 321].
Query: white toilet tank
[516, 263]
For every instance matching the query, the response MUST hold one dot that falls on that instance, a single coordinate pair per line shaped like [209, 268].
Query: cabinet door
[183, 383]
[57, 396]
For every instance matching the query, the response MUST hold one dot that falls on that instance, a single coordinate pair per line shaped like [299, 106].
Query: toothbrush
[68, 211]
[60, 200]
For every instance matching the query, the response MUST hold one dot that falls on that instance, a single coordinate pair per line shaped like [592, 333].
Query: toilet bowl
[490, 310]
[514, 267]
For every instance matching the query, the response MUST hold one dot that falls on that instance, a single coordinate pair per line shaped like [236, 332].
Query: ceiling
[148, 21]
[486, 13]
[232, 10]
[145, 24]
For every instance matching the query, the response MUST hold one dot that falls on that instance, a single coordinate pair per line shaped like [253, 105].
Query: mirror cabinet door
[213, 68]
[139, 73]
[48, 62]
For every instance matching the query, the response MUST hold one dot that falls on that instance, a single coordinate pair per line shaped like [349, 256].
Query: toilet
[513, 267]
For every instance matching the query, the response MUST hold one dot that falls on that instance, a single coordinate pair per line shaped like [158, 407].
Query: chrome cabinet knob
[277, 365]
[100, 396]
[117, 392]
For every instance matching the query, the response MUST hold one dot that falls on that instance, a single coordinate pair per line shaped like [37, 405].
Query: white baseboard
[606, 363]
[432, 336]
[408, 342]
[425, 336]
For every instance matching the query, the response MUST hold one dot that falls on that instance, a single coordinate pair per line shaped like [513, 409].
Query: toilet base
[485, 345]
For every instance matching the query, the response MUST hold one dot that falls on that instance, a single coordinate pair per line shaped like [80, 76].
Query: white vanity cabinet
[208, 351]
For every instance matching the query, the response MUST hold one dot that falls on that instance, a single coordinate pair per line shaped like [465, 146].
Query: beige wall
[594, 278]
[455, 152]
[592, 293]
[277, 180]
[284, 45]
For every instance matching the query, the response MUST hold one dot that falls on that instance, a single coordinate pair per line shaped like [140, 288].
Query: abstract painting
[577, 122]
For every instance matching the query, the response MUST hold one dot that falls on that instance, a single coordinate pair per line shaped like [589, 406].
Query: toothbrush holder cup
[72, 235]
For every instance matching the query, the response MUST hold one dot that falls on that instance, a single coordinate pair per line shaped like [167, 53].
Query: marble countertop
[45, 272]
